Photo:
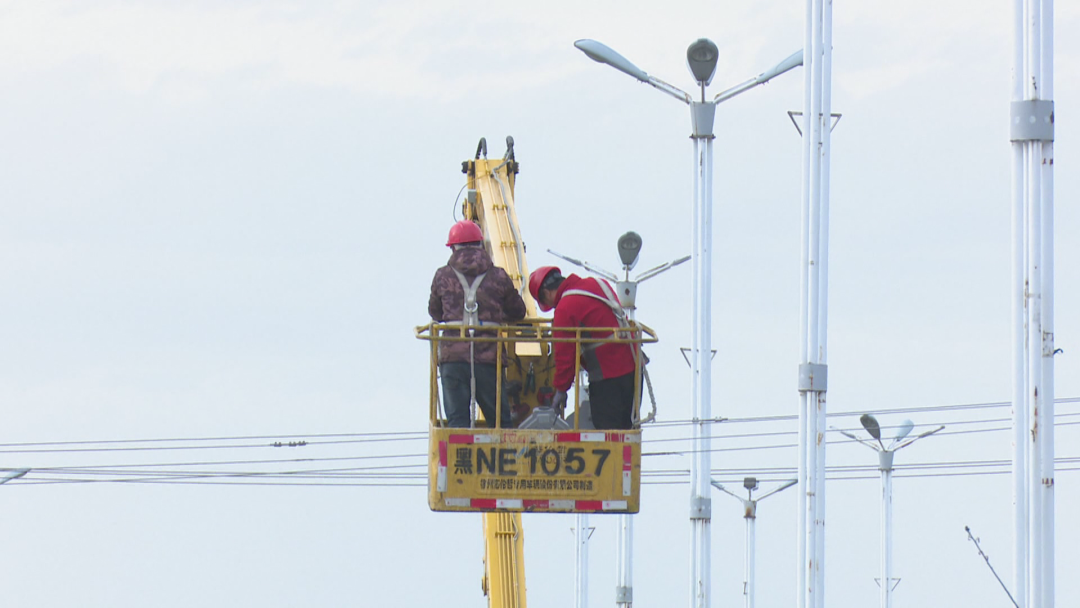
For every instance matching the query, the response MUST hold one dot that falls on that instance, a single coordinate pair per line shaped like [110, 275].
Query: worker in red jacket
[588, 302]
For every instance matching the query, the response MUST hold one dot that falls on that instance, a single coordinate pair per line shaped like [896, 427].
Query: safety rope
[652, 396]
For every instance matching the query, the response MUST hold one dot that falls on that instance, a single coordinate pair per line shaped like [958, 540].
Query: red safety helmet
[536, 279]
[464, 232]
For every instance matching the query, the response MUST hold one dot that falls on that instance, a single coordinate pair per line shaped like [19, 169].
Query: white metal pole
[700, 482]
[824, 120]
[1035, 397]
[814, 321]
[624, 568]
[751, 541]
[803, 501]
[1033, 254]
[581, 563]
[1035, 336]
[885, 459]
[624, 586]
[749, 505]
[1046, 202]
[804, 477]
[1019, 275]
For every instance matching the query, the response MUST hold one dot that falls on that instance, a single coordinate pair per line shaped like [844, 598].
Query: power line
[883, 427]
[415, 484]
[415, 434]
[831, 442]
[904, 410]
[291, 444]
[311, 439]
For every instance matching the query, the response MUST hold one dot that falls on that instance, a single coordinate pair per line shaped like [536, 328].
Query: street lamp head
[602, 53]
[701, 58]
[629, 248]
[871, 425]
[750, 483]
[904, 430]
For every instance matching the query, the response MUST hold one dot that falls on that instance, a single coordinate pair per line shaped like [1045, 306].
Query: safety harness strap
[470, 316]
[620, 315]
[608, 298]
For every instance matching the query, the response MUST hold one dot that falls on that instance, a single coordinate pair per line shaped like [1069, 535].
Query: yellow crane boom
[498, 467]
[493, 209]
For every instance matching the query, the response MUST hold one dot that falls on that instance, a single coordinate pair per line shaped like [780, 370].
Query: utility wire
[829, 442]
[320, 439]
[905, 410]
[403, 435]
[851, 429]
[423, 484]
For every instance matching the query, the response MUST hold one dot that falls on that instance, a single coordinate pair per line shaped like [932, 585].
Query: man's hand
[559, 401]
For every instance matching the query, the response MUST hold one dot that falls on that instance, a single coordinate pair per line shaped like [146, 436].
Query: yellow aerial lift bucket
[494, 467]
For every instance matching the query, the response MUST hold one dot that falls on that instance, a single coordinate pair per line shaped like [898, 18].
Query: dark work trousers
[456, 392]
[612, 402]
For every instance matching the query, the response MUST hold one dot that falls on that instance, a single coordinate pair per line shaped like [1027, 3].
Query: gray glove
[559, 401]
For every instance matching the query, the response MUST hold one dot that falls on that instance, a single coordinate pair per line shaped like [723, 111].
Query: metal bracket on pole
[885, 460]
[1048, 349]
[700, 508]
[590, 529]
[1031, 120]
[684, 350]
[701, 119]
[813, 377]
[894, 585]
[624, 595]
[792, 114]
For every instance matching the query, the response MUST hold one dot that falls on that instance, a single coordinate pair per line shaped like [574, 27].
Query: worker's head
[544, 283]
[465, 234]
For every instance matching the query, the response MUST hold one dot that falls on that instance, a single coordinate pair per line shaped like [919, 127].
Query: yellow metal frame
[499, 469]
[539, 335]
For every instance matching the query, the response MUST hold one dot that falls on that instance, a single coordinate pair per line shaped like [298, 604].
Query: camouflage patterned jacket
[496, 298]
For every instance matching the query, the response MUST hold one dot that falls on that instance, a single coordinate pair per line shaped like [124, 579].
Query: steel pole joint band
[1031, 120]
[813, 377]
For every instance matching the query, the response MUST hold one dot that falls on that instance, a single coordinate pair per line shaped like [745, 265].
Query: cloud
[405, 49]
[399, 50]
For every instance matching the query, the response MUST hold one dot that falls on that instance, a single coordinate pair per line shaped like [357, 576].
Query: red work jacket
[607, 360]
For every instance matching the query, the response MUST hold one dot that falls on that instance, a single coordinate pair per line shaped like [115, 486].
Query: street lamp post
[701, 58]
[629, 246]
[885, 465]
[1031, 133]
[750, 514]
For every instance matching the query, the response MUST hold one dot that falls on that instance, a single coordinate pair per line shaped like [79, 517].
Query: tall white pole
[701, 118]
[700, 475]
[624, 585]
[885, 459]
[813, 371]
[1032, 136]
[581, 537]
[581, 562]
[751, 542]
[624, 544]
[1046, 203]
[1019, 316]
[750, 514]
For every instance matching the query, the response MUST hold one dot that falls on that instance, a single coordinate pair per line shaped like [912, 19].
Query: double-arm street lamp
[885, 465]
[750, 514]
[701, 58]
[629, 246]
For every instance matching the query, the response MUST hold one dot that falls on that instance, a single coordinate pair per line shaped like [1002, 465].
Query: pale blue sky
[222, 220]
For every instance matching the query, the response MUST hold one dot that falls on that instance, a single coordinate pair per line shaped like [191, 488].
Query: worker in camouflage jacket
[468, 368]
